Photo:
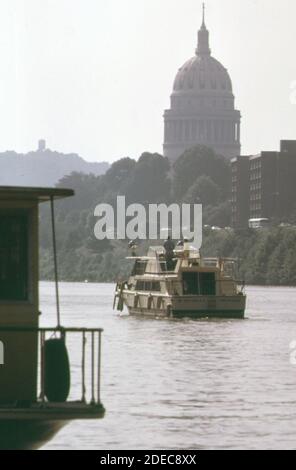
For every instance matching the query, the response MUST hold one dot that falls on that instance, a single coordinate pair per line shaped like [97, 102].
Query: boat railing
[84, 358]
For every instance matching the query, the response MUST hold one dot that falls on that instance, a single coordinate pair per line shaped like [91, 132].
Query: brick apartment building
[264, 185]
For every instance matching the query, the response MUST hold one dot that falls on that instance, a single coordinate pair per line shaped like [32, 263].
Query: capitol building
[202, 108]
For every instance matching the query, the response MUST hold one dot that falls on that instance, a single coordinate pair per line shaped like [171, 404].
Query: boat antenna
[56, 276]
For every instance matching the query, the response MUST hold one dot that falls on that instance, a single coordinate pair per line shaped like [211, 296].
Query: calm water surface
[184, 384]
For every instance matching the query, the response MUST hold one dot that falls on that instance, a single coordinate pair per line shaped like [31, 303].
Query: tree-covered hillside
[199, 176]
[43, 168]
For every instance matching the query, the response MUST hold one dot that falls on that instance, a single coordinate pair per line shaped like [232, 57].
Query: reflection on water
[185, 384]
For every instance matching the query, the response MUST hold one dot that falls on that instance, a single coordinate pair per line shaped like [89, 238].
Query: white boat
[184, 285]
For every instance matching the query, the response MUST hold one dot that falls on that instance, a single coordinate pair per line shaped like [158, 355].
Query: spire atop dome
[203, 47]
[203, 15]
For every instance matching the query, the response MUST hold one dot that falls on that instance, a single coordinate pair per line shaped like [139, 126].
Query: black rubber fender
[169, 310]
[57, 380]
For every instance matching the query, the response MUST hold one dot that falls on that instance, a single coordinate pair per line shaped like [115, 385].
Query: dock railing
[87, 362]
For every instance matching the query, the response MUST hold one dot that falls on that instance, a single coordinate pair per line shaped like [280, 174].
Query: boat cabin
[19, 277]
[185, 274]
[35, 370]
[181, 283]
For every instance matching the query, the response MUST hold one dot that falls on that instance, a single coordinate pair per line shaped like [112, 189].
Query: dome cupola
[203, 47]
[202, 105]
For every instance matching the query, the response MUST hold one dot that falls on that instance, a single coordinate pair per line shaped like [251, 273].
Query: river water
[185, 384]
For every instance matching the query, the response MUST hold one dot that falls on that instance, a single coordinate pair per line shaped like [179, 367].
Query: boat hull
[232, 314]
[210, 306]
[190, 306]
[31, 428]
[27, 435]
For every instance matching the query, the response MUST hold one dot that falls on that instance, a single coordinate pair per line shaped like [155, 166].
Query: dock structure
[35, 368]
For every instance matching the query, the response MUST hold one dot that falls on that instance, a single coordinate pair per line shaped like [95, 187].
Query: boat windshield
[156, 251]
[139, 267]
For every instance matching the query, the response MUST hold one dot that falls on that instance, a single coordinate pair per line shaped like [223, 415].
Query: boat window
[153, 286]
[190, 284]
[207, 283]
[171, 264]
[199, 283]
[140, 285]
[139, 268]
[13, 256]
[148, 286]
[156, 286]
[168, 266]
[163, 266]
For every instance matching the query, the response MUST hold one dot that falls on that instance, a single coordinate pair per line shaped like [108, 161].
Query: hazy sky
[94, 76]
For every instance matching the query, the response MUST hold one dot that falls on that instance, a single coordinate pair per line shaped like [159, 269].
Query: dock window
[13, 256]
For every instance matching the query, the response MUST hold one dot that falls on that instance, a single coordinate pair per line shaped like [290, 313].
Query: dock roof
[32, 193]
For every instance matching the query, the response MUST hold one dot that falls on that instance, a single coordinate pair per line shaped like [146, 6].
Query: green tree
[203, 191]
[200, 161]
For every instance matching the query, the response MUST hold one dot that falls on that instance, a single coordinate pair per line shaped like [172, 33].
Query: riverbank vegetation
[266, 256]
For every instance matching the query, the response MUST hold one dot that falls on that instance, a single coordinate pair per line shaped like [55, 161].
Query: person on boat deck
[133, 247]
[169, 247]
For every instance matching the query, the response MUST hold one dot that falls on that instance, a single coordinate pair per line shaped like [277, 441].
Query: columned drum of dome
[202, 106]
